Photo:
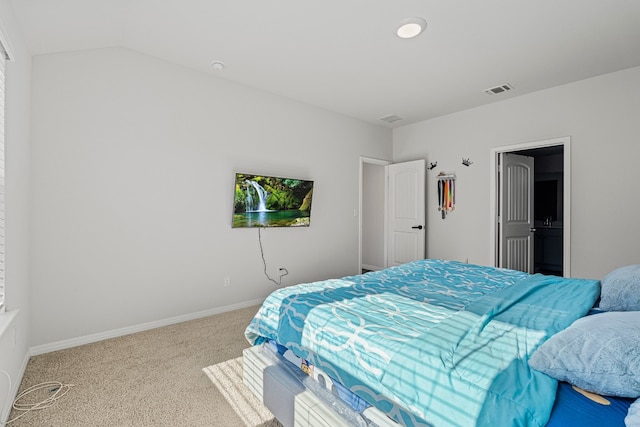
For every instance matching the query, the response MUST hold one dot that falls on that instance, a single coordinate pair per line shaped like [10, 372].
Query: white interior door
[516, 223]
[405, 212]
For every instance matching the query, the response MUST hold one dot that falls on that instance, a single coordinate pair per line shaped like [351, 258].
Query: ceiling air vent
[391, 118]
[498, 89]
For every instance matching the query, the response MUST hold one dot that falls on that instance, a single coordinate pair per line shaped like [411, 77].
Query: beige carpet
[187, 374]
[227, 376]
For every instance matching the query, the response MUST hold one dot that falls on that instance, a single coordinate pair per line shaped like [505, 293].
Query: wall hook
[466, 162]
[432, 165]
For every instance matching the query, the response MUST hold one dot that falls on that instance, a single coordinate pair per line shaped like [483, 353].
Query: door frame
[378, 162]
[565, 142]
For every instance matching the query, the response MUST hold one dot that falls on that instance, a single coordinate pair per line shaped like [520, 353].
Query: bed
[428, 343]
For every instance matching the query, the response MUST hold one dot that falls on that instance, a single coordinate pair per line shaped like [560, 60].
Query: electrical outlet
[227, 281]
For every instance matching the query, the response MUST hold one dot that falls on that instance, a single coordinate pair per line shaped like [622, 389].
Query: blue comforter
[432, 342]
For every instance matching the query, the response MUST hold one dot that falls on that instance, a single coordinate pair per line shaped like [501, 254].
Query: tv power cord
[282, 271]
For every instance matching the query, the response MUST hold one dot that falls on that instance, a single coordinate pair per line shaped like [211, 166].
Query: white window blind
[2, 210]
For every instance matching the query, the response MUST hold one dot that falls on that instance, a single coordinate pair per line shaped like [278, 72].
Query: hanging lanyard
[446, 195]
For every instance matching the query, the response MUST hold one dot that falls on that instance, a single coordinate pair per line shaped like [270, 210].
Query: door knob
[419, 227]
[532, 230]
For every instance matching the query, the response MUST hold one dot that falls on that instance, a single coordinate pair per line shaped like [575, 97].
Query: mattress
[432, 340]
[287, 394]
[573, 409]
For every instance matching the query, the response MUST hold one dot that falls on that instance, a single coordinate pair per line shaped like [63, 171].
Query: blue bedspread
[431, 342]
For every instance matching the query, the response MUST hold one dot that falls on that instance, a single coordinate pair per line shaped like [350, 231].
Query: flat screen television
[269, 201]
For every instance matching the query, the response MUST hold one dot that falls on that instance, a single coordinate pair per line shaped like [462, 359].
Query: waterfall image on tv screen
[268, 201]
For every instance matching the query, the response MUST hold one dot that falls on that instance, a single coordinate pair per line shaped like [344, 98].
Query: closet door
[406, 212]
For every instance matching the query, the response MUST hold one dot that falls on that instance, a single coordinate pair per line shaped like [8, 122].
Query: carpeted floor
[227, 377]
[188, 374]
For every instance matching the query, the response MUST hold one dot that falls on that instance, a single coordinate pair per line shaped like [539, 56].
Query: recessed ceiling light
[217, 65]
[411, 27]
[391, 118]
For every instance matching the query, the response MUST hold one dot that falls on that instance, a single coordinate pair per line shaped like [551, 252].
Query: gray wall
[601, 117]
[132, 186]
[373, 195]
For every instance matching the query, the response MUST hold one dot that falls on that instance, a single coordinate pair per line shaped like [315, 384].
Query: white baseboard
[371, 267]
[88, 339]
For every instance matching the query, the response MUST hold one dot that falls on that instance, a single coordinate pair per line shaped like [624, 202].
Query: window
[3, 57]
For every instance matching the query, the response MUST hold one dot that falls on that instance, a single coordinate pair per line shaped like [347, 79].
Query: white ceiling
[343, 55]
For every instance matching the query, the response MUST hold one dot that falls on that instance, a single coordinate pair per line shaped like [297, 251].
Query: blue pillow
[633, 417]
[620, 289]
[598, 353]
